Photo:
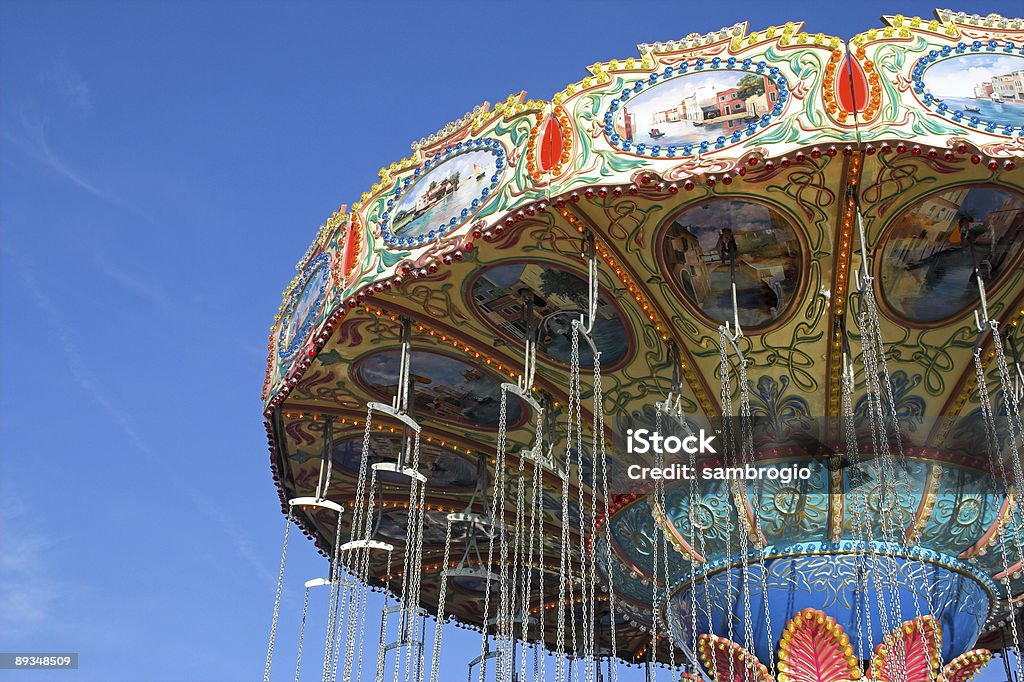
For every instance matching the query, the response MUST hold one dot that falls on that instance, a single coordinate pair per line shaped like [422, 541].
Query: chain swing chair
[584, 653]
[737, 452]
[514, 613]
[318, 501]
[878, 566]
[411, 618]
[1002, 479]
[670, 407]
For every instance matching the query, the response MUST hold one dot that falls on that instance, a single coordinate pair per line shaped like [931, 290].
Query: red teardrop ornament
[350, 249]
[851, 85]
[551, 144]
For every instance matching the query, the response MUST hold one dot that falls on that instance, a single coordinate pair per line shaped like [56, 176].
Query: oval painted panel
[304, 305]
[985, 90]
[692, 110]
[444, 388]
[442, 195]
[709, 244]
[933, 248]
[445, 469]
[500, 294]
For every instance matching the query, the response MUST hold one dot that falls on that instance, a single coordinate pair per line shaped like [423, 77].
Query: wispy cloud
[89, 383]
[152, 293]
[28, 593]
[70, 85]
[31, 140]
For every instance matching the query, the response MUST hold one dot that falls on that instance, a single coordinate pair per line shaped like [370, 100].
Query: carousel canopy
[727, 177]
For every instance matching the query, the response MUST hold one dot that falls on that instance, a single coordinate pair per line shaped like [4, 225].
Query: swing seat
[393, 412]
[524, 395]
[477, 520]
[304, 502]
[367, 544]
[393, 467]
[546, 463]
[472, 572]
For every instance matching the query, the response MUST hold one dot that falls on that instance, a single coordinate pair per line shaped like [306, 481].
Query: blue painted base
[833, 582]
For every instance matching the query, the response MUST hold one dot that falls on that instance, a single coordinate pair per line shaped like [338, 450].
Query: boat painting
[986, 87]
[697, 106]
[443, 193]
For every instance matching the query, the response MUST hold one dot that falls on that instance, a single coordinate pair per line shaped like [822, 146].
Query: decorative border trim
[845, 547]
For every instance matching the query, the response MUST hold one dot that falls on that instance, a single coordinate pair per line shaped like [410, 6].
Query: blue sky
[162, 167]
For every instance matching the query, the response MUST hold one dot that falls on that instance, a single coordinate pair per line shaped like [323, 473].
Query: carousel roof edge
[530, 151]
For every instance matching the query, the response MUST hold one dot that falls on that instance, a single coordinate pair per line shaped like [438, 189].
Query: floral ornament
[712, 516]
[909, 408]
[798, 507]
[815, 648]
[770, 401]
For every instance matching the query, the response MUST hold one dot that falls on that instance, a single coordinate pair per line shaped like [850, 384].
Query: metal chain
[586, 614]
[348, 588]
[358, 510]
[379, 677]
[537, 515]
[497, 501]
[564, 548]
[747, 530]
[302, 634]
[439, 624]
[658, 531]
[416, 612]
[693, 504]
[729, 446]
[996, 461]
[356, 609]
[1014, 427]
[600, 459]
[575, 420]
[277, 597]
[520, 593]
[873, 356]
[602, 452]
[860, 533]
[332, 610]
[918, 549]
[408, 566]
[761, 542]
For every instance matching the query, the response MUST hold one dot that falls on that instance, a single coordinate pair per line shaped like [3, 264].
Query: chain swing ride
[807, 246]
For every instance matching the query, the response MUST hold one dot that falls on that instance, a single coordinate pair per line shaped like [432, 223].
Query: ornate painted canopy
[762, 141]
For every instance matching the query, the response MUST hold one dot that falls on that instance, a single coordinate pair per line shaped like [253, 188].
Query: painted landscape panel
[713, 243]
[443, 387]
[501, 292]
[695, 107]
[443, 193]
[988, 86]
[936, 248]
